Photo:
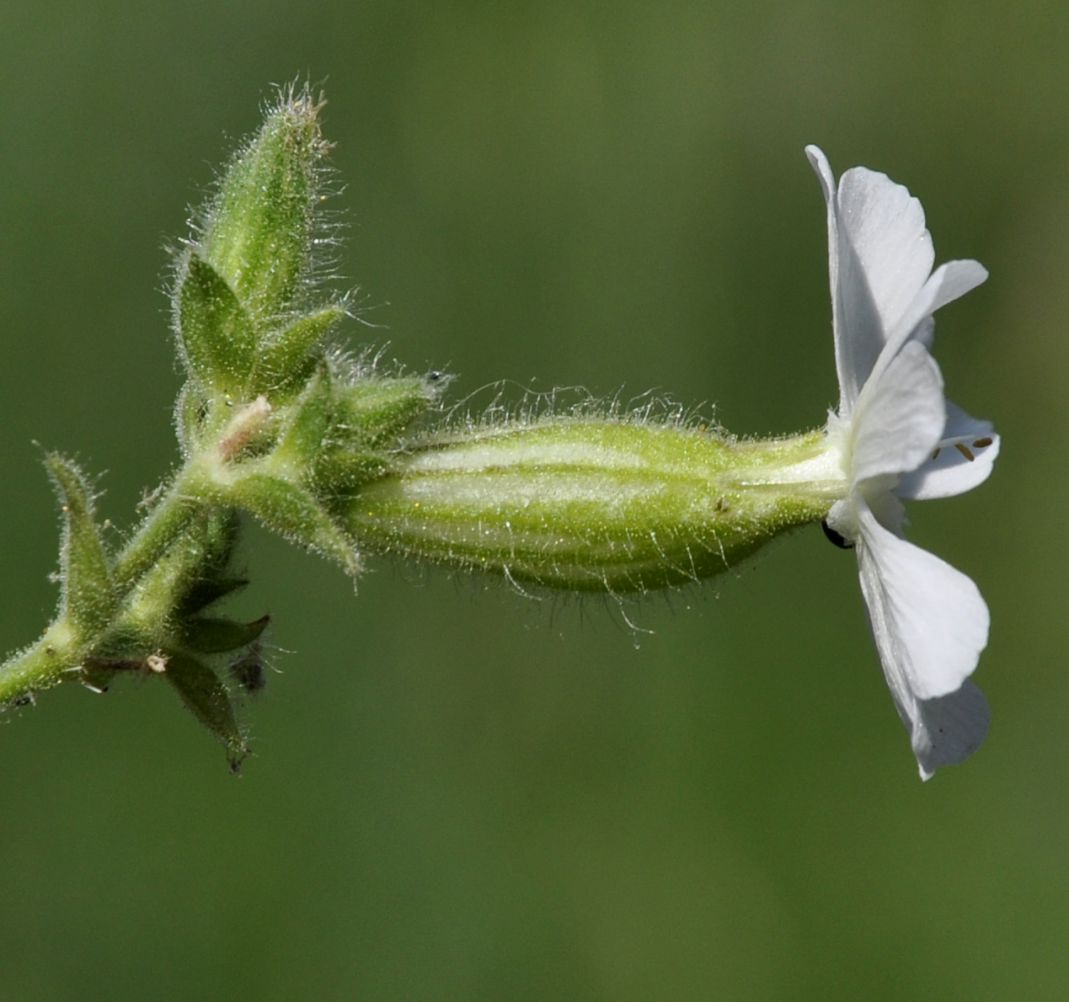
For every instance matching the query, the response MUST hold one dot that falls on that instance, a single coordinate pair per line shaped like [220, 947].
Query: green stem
[159, 530]
[39, 665]
[194, 488]
[61, 649]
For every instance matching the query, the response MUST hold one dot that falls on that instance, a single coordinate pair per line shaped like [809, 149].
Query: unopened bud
[242, 301]
[259, 231]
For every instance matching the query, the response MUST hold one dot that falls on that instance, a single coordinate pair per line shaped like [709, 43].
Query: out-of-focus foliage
[458, 792]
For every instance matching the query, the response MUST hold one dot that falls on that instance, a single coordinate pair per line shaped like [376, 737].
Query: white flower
[898, 438]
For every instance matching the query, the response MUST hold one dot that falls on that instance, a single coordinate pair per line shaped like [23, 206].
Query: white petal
[884, 258]
[963, 460]
[885, 226]
[900, 416]
[925, 332]
[948, 282]
[929, 620]
[947, 730]
[844, 363]
[820, 164]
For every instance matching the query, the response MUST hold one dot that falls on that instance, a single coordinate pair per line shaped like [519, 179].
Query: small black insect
[835, 537]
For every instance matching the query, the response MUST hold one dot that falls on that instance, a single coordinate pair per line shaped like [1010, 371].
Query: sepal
[593, 504]
[88, 596]
[289, 355]
[307, 424]
[339, 472]
[206, 591]
[208, 699]
[296, 514]
[190, 411]
[374, 410]
[215, 333]
[208, 635]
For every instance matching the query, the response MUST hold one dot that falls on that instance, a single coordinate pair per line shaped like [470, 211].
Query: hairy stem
[171, 514]
[40, 665]
[61, 648]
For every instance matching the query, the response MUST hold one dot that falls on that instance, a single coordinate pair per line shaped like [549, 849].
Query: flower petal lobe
[963, 459]
[884, 225]
[948, 729]
[900, 416]
[929, 620]
[948, 282]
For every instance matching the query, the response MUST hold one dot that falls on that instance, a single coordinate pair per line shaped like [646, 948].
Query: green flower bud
[595, 504]
[242, 300]
[258, 233]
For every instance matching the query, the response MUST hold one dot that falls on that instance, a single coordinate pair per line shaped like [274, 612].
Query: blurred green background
[458, 793]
